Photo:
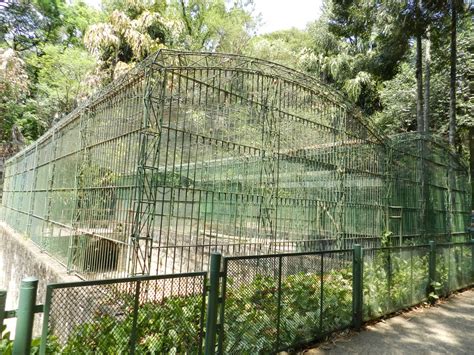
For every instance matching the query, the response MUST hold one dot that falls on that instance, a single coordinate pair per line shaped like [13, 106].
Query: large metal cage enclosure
[190, 153]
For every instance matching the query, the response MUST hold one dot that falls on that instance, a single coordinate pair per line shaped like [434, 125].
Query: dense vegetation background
[394, 59]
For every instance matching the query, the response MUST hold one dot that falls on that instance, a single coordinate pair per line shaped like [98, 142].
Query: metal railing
[247, 304]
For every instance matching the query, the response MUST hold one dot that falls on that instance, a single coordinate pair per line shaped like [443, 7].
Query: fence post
[212, 305]
[136, 306]
[25, 316]
[472, 261]
[357, 286]
[432, 264]
[3, 301]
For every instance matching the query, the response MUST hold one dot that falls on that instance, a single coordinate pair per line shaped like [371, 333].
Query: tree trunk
[419, 75]
[426, 104]
[452, 82]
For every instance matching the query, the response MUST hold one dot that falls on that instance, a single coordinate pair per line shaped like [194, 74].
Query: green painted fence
[249, 304]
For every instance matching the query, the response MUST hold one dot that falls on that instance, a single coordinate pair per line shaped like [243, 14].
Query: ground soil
[446, 328]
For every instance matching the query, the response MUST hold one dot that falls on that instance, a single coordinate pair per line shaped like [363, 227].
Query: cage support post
[3, 300]
[357, 286]
[25, 316]
[212, 305]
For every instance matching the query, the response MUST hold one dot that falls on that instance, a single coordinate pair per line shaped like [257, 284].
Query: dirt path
[447, 328]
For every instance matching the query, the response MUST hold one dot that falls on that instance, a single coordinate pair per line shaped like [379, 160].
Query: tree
[419, 68]
[135, 29]
[124, 40]
[372, 38]
[288, 47]
[24, 25]
[62, 76]
[213, 25]
[14, 86]
[452, 75]
[30, 31]
[426, 98]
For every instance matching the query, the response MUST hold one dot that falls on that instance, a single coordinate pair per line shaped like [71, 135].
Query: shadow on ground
[447, 328]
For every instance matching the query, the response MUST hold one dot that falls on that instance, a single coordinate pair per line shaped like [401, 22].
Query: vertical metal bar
[472, 261]
[321, 300]
[3, 300]
[357, 286]
[213, 303]
[432, 264]
[25, 316]
[412, 301]
[278, 303]
[220, 340]
[45, 328]
[136, 305]
[203, 312]
[389, 278]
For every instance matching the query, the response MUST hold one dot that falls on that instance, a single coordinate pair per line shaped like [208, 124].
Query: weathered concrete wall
[20, 258]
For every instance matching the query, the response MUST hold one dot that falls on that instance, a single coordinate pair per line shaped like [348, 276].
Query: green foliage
[169, 326]
[251, 310]
[6, 344]
[288, 47]
[44, 76]
[61, 75]
[433, 295]
[393, 281]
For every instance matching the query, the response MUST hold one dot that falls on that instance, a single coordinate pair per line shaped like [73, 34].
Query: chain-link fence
[394, 278]
[278, 302]
[253, 304]
[453, 269]
[146, 315]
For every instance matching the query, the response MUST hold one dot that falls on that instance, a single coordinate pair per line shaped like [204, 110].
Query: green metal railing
[279, 302]
[141, 314]
[249, 304]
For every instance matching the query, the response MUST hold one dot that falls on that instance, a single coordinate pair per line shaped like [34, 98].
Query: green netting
[193, 152]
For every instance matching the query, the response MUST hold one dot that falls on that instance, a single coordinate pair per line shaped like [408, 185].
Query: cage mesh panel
[72, 191]
[279, 302]
[191, 153]
[430, 191]
[394, 278]
[152, 316]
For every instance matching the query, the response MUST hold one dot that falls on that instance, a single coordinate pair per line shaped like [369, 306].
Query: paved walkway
[447, 328]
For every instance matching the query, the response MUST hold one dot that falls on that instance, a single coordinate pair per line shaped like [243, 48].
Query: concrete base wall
[20, 258]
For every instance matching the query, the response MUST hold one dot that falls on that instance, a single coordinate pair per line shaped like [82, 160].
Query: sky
[279, 14]
[284, 14]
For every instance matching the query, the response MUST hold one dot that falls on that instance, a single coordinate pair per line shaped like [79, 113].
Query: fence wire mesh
[191, 153]
[149, 315]
[279, 302]
[394, 278]
[454, 266]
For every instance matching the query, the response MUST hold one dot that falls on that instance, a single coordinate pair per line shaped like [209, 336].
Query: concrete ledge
[20, 258]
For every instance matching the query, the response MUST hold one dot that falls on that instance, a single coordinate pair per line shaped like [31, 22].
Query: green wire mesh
[191, 153]
[430, 191]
